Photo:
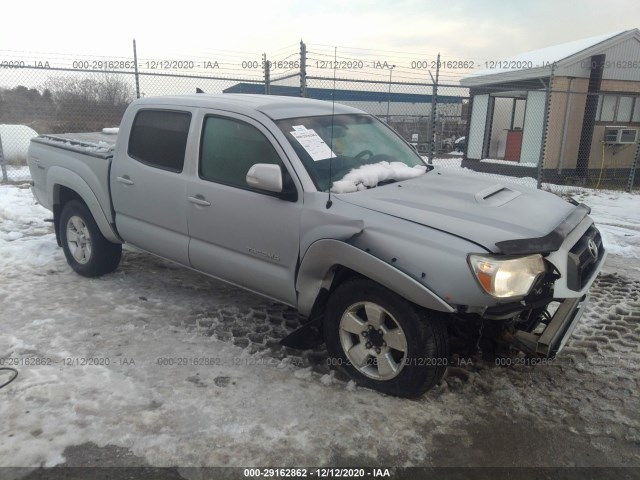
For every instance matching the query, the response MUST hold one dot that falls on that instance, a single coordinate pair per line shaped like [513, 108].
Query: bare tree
[89, 103]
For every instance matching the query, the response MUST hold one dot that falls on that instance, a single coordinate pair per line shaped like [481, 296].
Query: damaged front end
[541, 323]
[548, 342]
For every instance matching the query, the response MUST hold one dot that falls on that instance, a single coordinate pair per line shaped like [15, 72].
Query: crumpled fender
[316, 273]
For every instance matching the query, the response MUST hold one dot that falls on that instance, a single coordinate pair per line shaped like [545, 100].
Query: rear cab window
[159, 138]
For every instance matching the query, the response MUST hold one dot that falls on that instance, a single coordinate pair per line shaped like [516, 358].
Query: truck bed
[79, 161]
[96, 144]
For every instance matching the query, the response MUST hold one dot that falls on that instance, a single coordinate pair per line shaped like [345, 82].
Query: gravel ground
[581, 410]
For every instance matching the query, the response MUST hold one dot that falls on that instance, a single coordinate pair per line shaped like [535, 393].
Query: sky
[464, 29]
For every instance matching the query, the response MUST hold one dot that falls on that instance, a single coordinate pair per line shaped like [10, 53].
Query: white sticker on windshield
[313, 144]
[299, 128]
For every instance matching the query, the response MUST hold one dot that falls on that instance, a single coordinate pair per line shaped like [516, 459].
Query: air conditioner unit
[620, 135]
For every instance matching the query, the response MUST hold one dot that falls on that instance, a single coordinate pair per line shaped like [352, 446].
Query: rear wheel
[87, 251]
[383, 341]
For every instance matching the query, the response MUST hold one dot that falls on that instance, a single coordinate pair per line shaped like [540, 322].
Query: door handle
[125, 180]
[200, 201]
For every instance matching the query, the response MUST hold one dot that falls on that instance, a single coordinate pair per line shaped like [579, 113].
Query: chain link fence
[546, 131]
[591, 138]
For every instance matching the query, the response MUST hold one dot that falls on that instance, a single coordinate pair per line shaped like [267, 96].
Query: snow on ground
[509, 163]
[18, 173]
[180, 369]
[617, 215]
[446, 162]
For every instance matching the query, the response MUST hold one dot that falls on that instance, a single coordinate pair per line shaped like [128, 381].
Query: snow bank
[25, 237]
[368, 176]
[15, 141]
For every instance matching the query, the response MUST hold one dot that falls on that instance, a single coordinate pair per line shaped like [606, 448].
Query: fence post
[545, 134]
[267, 75]
[135, 68]
[632, 172]
[3, 164]
[434, 107]
[303, 69]
[391, 67]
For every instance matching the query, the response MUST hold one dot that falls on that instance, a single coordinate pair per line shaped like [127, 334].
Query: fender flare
[316, 272]
[58, 176]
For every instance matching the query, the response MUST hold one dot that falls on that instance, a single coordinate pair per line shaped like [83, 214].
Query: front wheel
[84, 246]
[384, 342]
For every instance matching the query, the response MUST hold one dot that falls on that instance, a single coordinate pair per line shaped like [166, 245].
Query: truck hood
[477, 208]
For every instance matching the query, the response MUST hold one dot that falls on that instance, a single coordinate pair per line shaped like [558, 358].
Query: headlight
[504, 278]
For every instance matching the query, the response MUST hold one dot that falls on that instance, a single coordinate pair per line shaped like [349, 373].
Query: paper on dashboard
[313, 144]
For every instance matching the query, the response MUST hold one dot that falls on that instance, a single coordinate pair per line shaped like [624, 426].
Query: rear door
[148, 183]
[239, 234]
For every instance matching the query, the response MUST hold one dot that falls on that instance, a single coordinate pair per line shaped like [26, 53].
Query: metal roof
[537, 63]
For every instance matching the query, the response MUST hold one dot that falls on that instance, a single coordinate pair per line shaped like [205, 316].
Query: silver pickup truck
[324, 208]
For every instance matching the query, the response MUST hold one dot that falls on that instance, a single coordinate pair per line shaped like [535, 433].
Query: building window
[625, 107]
[618, 108]
[636, 112]
[159, 138]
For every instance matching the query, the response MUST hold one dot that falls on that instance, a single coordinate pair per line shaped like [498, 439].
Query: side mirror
[265, 176]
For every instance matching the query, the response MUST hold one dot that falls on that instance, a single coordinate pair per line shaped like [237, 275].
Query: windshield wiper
[386, 182]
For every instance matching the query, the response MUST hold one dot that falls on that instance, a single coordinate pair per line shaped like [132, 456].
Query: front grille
[583, 260]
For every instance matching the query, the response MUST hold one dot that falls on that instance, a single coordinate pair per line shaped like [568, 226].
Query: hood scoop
[496, 195]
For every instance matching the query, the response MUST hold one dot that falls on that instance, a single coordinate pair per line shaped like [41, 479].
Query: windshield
[364, 152]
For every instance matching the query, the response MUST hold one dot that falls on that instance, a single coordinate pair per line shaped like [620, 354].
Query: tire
[416, 355]
[84, 246]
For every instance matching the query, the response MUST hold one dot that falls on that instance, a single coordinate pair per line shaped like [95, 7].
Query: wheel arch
[328, 263]
[64, 186]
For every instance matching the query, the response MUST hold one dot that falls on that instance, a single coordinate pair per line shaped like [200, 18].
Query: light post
[391, 67]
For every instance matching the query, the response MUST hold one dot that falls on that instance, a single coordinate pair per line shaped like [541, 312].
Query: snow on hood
[368, 176]
[454, 202]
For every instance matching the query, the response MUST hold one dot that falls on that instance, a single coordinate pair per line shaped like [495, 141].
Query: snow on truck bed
[90, 142]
